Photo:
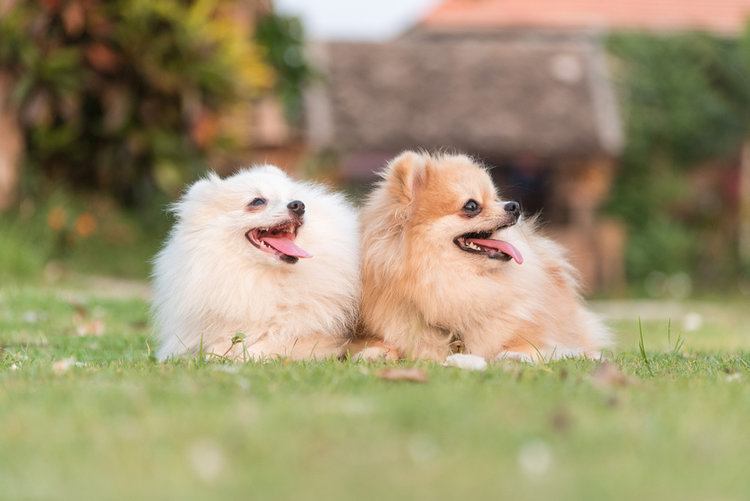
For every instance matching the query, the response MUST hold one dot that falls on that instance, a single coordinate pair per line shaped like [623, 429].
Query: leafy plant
[125, 96]
[642, 348]
[282, 37]
[686, 101]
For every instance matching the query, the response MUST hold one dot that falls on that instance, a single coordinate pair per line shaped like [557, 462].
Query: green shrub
[282, 37]
[686, 101]
[84, 234]
[124, 96]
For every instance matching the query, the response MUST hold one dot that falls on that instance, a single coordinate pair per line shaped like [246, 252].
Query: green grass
[121, 242]
[119, 425]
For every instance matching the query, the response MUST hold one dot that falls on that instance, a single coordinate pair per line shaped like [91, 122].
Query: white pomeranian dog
[258, 266]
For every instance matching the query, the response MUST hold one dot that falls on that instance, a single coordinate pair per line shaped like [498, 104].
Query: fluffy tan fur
[428, 298]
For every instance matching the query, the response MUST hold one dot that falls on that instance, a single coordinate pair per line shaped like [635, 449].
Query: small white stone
[468, 362]
[733, 377]
[535, 458]
[422, 449]
[692, 322]
[31, 317]
[207, 460]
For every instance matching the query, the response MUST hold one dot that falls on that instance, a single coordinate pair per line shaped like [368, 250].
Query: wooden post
[10, 144]
[744, 229]
[595, 244]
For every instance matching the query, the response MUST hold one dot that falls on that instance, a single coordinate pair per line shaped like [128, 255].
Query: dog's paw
[374, 353]
[465, 361]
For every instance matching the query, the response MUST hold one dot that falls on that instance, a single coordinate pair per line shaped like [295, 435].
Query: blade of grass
[537, 350]
[669, 331]
[642, 347]
[679, 342]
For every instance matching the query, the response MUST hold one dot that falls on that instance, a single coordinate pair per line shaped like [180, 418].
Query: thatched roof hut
[494, 95]
[537, 104]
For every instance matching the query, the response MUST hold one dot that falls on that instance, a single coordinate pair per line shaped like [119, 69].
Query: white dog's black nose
[297, 207]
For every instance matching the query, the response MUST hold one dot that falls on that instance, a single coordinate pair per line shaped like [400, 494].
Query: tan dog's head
[448, 207]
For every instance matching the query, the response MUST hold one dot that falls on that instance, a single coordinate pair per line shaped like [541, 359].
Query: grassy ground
[65, 234]
[86, 413]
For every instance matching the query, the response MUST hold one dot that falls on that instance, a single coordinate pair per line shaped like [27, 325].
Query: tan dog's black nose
[513, 209]
[297, 207]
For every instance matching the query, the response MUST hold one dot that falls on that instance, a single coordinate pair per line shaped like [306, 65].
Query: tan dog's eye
[472, 208]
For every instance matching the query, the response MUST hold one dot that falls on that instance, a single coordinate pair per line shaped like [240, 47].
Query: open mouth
[279, 241]
[480, 243]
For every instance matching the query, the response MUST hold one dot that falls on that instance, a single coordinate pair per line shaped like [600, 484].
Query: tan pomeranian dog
[449, 267]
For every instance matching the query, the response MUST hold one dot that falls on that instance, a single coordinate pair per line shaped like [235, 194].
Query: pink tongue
[499, 245]
[286, 246]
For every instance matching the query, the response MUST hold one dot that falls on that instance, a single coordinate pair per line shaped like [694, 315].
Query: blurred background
[627, 124]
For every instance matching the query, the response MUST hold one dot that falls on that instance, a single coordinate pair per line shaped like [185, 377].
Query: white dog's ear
[405, 174]
[203, 187]
[200, 190]
[271, 169]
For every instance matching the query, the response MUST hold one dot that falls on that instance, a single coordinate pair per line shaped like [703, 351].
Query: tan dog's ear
[405, 175]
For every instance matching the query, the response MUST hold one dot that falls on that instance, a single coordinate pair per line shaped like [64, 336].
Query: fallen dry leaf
[139, 324]
[535, 458]
[608, 375]
[80, 309]
[413, 374]
[93, 327]
[561, 420]
[62, 366]
[84, 323]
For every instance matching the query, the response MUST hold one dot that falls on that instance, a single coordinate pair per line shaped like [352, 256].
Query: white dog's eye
[257, 202]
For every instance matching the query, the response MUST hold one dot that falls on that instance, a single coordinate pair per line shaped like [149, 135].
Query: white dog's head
[257, 253]
[257, 214]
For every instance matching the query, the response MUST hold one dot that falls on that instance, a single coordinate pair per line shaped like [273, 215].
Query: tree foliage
[283, 40]
[686, 102]
[121, 95]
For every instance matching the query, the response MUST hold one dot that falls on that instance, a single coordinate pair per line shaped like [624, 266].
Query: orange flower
[205, 129]
[57, 218]
[85, 225]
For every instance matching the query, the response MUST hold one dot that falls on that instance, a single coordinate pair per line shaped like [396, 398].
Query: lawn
[86, 413]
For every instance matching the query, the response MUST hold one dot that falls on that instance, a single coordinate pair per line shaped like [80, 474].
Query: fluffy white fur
[211, 284]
